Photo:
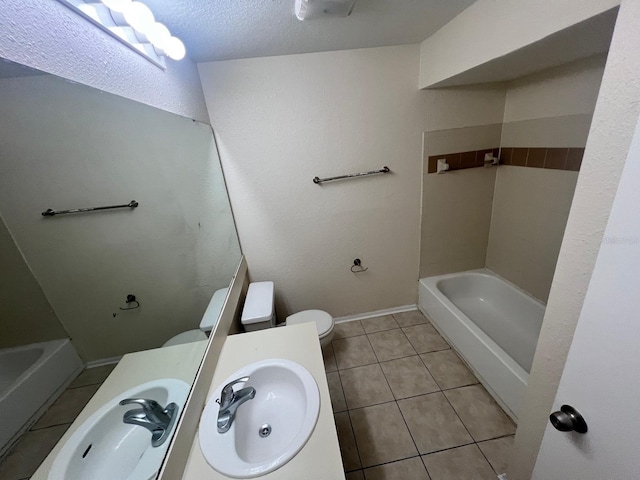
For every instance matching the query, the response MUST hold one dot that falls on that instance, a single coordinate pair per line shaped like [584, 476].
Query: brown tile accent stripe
[461, 160]
[552, 158]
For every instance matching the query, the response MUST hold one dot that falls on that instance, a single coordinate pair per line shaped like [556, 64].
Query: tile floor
[406, 407]
[33, 447]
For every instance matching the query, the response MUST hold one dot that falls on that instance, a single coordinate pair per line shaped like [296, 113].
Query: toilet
[259, 313]
[207, 323]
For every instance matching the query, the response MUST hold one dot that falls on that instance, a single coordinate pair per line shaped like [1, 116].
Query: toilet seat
[186, 337]
[323, 321]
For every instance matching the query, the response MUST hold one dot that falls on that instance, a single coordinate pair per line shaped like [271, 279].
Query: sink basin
[105, 448]
[287, 401]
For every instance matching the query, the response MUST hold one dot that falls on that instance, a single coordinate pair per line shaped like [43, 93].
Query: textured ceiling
[227, 29]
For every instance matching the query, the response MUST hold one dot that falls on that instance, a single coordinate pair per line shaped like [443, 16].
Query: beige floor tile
[390, 345]
[434, 425]
[348, 329]
[463, 463]
[425, 338]
[32, 448]
[353, 352]
[408, 377]
[357, 475]
[480, 413]
[338, 402]
[379, 324]
[67, 407]
[364, 386]
[381, 434]
[92, 376]
[407, 319]
[448, 370]
[329, 359]
[410, 469]
[497, 452]
[348, 449]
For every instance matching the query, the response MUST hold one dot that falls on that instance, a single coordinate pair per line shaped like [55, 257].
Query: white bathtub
[491, 323]
[31, 378]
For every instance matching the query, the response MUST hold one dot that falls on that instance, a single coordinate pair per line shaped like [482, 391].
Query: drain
[265, 430]
[87, 450]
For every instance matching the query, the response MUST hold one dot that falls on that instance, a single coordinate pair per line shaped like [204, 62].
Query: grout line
[485, 457]
[51, 426]
[355, 440]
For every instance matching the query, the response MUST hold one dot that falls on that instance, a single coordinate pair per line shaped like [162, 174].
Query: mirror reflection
[83, 289]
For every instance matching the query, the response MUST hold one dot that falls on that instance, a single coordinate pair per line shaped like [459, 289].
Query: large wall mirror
[66, 278]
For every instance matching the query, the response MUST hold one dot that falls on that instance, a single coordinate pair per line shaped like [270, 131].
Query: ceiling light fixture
[132, 23]
[308, 9]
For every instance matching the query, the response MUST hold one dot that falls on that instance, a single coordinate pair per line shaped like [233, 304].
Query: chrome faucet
[151, 416]
[230, 401]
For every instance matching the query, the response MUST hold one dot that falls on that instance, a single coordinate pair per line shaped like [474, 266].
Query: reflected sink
[105, 448]
[287, 401]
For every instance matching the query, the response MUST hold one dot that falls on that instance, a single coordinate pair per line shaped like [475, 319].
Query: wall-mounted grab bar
[50, 213]
[318, 180]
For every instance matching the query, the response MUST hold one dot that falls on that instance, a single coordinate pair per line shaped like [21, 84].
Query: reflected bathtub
[31, 378]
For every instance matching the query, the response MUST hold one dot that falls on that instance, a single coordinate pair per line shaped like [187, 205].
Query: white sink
[105, 448]
[287, 400]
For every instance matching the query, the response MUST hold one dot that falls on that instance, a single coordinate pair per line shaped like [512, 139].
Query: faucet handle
[227, 394]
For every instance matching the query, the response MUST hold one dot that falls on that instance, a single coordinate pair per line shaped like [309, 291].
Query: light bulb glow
[158, 35]
[174, 48]
[117, 6]
[139, 16]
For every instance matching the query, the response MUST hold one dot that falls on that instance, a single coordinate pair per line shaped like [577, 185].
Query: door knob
[568, 419]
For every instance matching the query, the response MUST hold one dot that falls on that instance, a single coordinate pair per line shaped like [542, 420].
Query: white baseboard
[103, 361]
[377, 313]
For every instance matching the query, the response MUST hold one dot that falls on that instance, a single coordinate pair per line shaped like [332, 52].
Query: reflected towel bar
[318, 180]
[50, 213]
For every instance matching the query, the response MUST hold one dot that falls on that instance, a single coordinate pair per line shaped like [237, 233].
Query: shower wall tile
[456, 214]
[530, 212]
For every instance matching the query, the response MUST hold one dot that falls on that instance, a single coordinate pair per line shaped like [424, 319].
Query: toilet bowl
[324, 323]
[209, 319]
[259, 313]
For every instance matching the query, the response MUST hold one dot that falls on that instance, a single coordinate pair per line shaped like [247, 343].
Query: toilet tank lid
[211, 314]
[258, 305]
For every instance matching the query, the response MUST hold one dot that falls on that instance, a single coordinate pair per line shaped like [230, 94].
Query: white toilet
[259, 313]
[207, 323]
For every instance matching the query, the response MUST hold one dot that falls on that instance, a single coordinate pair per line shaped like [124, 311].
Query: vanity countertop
[179, 361]
[320, 458]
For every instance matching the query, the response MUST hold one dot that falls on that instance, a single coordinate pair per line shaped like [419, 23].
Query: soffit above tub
[582, 40]
[228, 29]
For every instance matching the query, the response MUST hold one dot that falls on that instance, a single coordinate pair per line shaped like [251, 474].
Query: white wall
[25, 314]
[65, 145]
[46, 35]
[531, 205]
[280, 121]
[614, 121]
[490, 29]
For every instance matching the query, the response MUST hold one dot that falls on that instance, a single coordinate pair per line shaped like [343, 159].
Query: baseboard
[103, 361]
[377, 313]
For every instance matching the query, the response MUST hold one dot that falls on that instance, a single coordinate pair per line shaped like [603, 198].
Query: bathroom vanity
[320, 457]
[179, 362]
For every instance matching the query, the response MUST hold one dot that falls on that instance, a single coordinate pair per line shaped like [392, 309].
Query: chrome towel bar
[318, 180]
[50, 213]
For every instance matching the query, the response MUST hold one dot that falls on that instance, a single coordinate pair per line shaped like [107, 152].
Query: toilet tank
[258, 312]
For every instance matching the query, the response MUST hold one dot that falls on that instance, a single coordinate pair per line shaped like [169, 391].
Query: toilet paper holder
[357, 266]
